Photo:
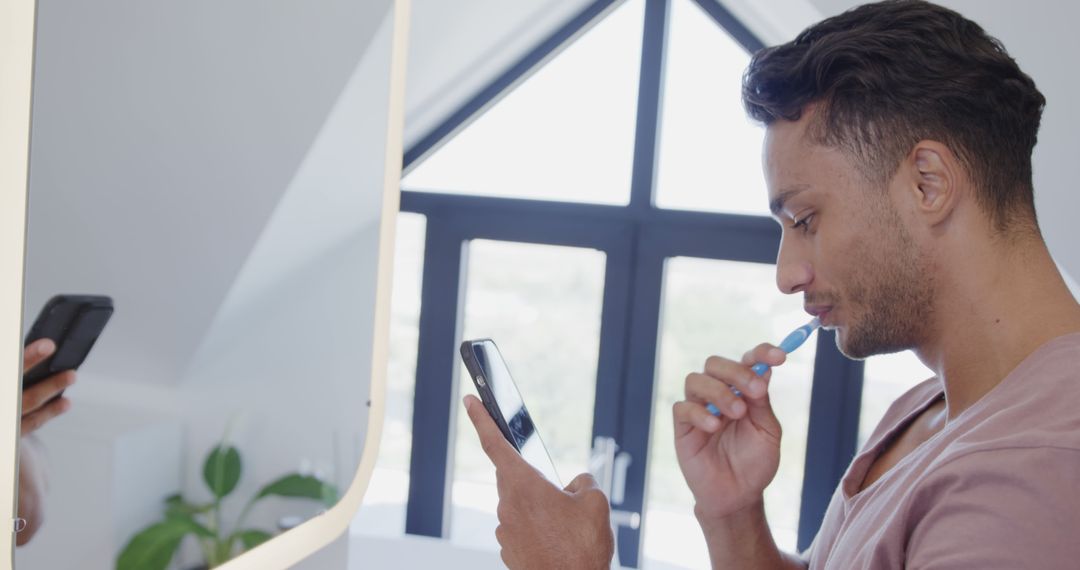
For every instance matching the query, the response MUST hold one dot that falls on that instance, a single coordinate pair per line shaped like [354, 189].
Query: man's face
[845, 245]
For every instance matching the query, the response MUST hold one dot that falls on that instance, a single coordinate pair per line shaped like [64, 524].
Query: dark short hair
[884, 76]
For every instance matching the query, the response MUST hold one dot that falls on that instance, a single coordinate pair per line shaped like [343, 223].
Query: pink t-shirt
[998, 487]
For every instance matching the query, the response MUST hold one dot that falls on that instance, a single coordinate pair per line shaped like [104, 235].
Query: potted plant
[154, 547]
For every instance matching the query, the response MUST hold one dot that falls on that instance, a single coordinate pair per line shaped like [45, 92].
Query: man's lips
[819, 311]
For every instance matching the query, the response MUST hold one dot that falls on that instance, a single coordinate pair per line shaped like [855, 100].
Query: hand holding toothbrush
[793, 340]
[728, 460]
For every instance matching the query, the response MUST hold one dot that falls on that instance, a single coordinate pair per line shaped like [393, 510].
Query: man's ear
[935, 181]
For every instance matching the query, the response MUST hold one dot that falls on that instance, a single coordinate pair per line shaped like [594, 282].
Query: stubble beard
[892, 297]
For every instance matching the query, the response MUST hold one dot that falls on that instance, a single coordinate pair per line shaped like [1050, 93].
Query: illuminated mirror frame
[17, 18]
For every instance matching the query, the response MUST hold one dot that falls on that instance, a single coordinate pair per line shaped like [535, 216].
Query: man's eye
[803, 224]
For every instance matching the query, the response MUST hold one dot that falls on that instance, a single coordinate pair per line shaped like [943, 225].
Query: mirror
[227, 175]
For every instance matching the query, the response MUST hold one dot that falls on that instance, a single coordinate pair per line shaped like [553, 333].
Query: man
[898, 160]
[40, 405]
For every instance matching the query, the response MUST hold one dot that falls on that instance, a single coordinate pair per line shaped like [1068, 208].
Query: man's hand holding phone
[42, 401]
[541, 526]
[74, 322]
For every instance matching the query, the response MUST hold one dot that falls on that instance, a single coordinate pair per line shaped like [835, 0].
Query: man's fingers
[31, 422]
[39, 394]
[690, 415]
[36, 352]
[703, 388]
[767, 353]
[492, 441]
[735, 374]
[585, 488]
[581, 483]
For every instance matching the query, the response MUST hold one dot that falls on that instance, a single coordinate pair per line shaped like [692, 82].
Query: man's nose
[794, 273]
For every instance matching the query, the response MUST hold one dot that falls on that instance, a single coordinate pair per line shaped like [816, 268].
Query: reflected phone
[504, 404]
[74, 323]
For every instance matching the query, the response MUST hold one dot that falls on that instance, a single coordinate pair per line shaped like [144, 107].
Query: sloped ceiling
[164, 137]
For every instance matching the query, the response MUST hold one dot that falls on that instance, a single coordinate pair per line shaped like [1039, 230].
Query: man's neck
[992, 314]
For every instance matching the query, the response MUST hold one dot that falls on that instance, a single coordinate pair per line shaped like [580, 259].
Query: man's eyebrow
[776, 205]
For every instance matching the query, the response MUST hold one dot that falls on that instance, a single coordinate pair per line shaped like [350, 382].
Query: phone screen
[496, 381]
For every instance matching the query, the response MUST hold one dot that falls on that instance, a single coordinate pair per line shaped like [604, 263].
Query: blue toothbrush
[788, 345]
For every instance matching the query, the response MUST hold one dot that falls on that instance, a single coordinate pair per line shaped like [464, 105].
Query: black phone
[504, 404]
[74, 323]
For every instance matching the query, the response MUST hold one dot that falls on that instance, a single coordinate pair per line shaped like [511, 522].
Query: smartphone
[504, 404]
[74, 323]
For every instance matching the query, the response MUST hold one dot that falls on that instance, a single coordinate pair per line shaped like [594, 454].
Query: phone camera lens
[480, 380]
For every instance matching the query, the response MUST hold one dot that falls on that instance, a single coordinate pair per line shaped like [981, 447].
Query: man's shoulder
[1011, 505]
[1059, 358]
[1036, 405]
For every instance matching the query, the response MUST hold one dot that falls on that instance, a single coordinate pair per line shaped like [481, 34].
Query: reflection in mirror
[217, 171]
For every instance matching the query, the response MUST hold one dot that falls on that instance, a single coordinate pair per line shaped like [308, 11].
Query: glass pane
[885, 379]
[541, 305]
[566, 133]
[723, 308]
[710, 153]
[383, 512]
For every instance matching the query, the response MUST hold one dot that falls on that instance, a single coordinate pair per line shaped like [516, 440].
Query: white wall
[288, 349]
[217, 169]
[161, 121]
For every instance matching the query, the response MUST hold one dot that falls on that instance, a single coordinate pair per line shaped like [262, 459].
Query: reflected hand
[541, 526]
[40, 403]
[728, 460]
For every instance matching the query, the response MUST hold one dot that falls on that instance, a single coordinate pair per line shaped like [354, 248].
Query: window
[601, 311]
[710, 152]
[566, 133]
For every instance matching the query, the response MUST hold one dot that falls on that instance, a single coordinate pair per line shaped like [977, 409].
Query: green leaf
[329, 495]
[301, 487]
[176, 504]
[222, 470]
[224, 551]
[154, 547]
[253, 537]
[192, 524]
